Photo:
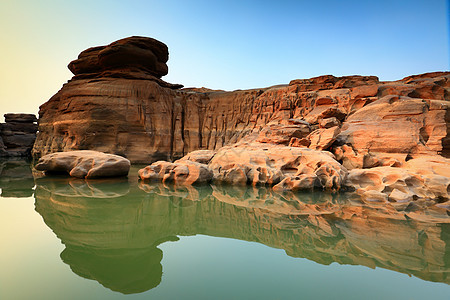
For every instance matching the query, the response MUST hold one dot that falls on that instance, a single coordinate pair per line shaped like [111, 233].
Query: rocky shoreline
[387, 141]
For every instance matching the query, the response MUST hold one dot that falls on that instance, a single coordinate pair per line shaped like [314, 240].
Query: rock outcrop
[117, 103]
[84, 164]
[17, 135]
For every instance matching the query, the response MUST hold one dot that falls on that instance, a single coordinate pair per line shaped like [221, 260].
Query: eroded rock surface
[84, 164]
[287, 168]
[117, 103]
[179, 172]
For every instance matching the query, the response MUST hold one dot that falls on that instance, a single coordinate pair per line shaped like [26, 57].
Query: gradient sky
[222, 44]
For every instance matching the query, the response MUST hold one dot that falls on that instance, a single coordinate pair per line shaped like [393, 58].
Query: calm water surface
[64, 238]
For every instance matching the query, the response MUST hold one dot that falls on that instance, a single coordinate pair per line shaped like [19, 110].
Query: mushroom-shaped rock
[84, 164]
[143, 53]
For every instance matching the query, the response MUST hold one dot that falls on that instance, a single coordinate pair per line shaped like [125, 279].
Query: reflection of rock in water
[321, 227]
[16, 178]
[90, 188]
[123, 270]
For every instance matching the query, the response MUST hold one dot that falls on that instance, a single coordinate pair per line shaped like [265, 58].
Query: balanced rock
[84, 164]
[141, 53]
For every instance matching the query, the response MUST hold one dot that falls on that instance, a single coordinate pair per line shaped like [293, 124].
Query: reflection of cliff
[123, 270]
[16, 178]
[102, 233]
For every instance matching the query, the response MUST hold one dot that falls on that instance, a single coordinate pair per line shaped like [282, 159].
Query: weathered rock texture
[84, 164]
[17, 135]
[116, 103]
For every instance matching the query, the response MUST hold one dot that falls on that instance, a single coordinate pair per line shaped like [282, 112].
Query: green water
[64, 238]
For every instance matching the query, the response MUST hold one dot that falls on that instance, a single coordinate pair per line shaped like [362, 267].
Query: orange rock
[321, 139]
[329, 122]
[399, 125]
[402, 184]
[181, 172]
[258, 163]
[282, 134]
[296, 142]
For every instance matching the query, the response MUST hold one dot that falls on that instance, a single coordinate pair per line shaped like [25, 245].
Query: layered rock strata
[116, 103]
[17, 135]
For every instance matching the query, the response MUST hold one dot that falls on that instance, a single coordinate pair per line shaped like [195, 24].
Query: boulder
[84, 164]
[199, 156]
[329, 122]
[261, 164]
[321, 139]
[181, 172]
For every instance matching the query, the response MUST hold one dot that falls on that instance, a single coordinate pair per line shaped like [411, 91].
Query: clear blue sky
[222, 44]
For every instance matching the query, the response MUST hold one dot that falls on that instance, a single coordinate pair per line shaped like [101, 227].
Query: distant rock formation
[17, 135]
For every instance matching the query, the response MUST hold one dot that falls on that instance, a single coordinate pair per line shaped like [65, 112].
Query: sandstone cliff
[117, 103]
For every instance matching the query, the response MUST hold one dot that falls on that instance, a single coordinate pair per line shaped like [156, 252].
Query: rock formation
[117, 103]
[84, 164]
[17, 135]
